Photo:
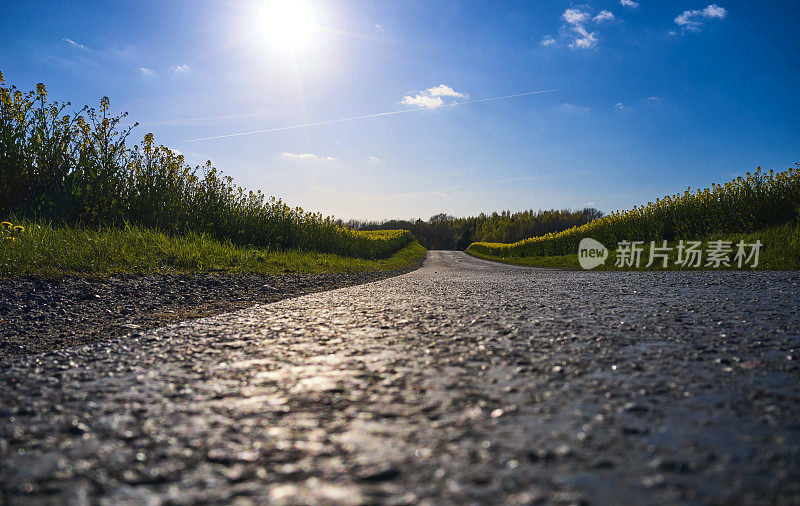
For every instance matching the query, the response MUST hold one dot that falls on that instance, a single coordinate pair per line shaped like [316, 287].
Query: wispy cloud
[579, 28]
[207, 120]
[547, 41]
[441, 194]
[181, 69]
[652, 98]
[629, 3]
[147, 72]
[112, 52]
[603, 16]
[584, 39]
[374, 159]
[72, 43]
[574, 30]
[572, 108]
[432, 97]
[307, 157]
[693, 20]
[80, 54]
[619, 105]
[574, 16]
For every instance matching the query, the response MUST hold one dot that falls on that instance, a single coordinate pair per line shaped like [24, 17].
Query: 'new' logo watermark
[591, 253]
[689, 254]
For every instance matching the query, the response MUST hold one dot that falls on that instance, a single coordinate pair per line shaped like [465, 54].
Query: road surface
[462, 382]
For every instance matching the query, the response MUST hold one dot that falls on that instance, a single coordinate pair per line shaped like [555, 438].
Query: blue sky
[653, 97]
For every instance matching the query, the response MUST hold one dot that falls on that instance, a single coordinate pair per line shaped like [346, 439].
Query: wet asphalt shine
[463, 382]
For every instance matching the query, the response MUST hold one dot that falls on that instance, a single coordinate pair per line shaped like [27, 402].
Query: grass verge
[780, 251]
[42, 250]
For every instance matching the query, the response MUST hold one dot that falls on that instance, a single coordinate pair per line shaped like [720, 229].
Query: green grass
[43, 250]
[780, 251]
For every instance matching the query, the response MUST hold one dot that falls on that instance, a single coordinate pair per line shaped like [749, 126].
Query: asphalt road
[462, 382]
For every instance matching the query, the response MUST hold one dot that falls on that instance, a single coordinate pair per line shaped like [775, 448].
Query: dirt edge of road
[39, 315]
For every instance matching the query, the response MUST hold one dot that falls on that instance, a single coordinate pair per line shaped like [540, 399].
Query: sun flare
[284, 24]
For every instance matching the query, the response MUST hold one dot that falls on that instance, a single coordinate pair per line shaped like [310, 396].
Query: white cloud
[714, 11]
[693, 20]
[652, 98]
[147, 72]
[629, 3]
[307, 157]
[619, 105]
[547, 41]
[604, 16]
[574, 16]
[581, 38]
[432, 97]
[374, 159]
[181, 69]
[584, 40]
[440, 194]
[75, 44]
[423, 101]
[572, 108]
[588, 204]
[444, 91]
[378, 27]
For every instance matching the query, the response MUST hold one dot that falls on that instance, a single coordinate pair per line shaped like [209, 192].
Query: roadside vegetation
[42, 250]
[780, 251]
[73, 174]
[443, 231]
[762, 206]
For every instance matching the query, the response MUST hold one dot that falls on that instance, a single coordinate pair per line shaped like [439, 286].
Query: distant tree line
[443, 231]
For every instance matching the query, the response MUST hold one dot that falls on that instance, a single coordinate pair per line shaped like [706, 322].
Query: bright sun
[285, 24]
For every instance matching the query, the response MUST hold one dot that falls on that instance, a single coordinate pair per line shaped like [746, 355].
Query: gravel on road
[461, 382]
[43, 314]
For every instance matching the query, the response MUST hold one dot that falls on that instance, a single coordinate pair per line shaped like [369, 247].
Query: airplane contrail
[390, 113]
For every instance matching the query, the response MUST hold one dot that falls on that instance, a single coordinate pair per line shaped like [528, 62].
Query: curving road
[462, 382]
